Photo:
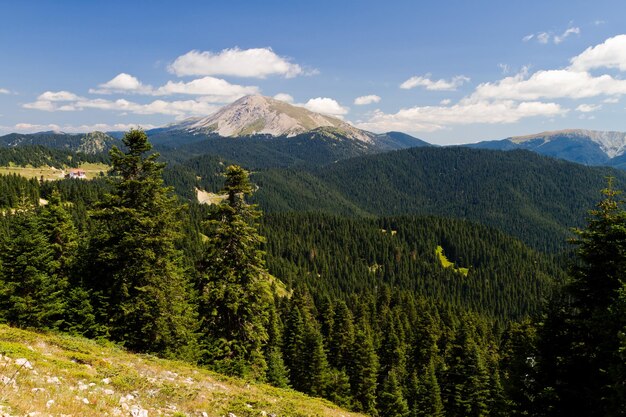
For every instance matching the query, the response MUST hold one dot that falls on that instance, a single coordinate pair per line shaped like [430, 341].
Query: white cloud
[551, 84]
[431, 118]
[364, 100]
[255, 63]
[122, 83]
[611, 100]
[439, 85]
[103, 127]
[30, 127]
[208, 86]
[55, 101]
[609, 54]
[326, 105]
[284, 97]
[543, 37]
[213, 89]
[4, 91]
[588, 108]
[445, 102]
[58, 96]
[546, 37]
[568, 32]
[505, 68]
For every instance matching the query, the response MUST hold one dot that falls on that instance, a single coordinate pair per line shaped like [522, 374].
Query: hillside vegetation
[62, 375]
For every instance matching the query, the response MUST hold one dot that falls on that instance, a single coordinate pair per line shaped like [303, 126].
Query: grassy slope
[79, 377]
[445, 262]
[92, 170]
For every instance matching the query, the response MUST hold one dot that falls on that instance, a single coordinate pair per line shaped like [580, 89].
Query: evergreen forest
[422, 282]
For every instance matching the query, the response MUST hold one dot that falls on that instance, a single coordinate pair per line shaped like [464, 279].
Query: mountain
[89, 143]
[280, 129]
[589, 147]
[259, 115]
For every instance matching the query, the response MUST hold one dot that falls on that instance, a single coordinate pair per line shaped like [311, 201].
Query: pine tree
[363, 372]
[277, 372]
[235, 294]
[31, 294]
[391, 402]
[466, 384]
[341, 340]
[136, 275]
[427, 401]
[582, 333]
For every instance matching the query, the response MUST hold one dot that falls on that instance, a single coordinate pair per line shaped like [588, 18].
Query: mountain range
[265, 132]
[588, 147]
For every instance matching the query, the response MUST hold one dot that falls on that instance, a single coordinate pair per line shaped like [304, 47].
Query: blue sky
[445, 71]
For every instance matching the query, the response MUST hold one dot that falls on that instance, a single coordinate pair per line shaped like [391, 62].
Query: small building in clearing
[77, 174]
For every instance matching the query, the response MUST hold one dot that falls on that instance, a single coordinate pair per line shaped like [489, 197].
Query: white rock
[23, 362]
[126, 398]
[50, 403]
[106, 381]
[137, 411]
[53, 380]
[38, 390]
[108, 392]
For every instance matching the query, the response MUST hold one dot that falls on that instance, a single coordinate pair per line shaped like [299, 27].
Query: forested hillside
[535, 198]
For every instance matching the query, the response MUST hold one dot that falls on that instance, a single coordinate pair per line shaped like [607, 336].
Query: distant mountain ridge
[88, 143]
[589, 147]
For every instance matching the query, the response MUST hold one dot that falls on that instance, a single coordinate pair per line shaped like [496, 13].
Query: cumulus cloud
[284, 97]
[58, 96]
[364, 100]
[588, 108]
[84, 128]
[4, 91]
[609, 54]
[327, 106]
[431, 118]
[551, 84]
[122, 83]
[546, 37]
[209, 86]
[255, 63]
[51, 101]
[438, 85]
[213, 89]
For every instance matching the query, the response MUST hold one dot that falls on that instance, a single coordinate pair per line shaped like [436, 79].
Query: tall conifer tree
[137, 275]
[235, 294]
